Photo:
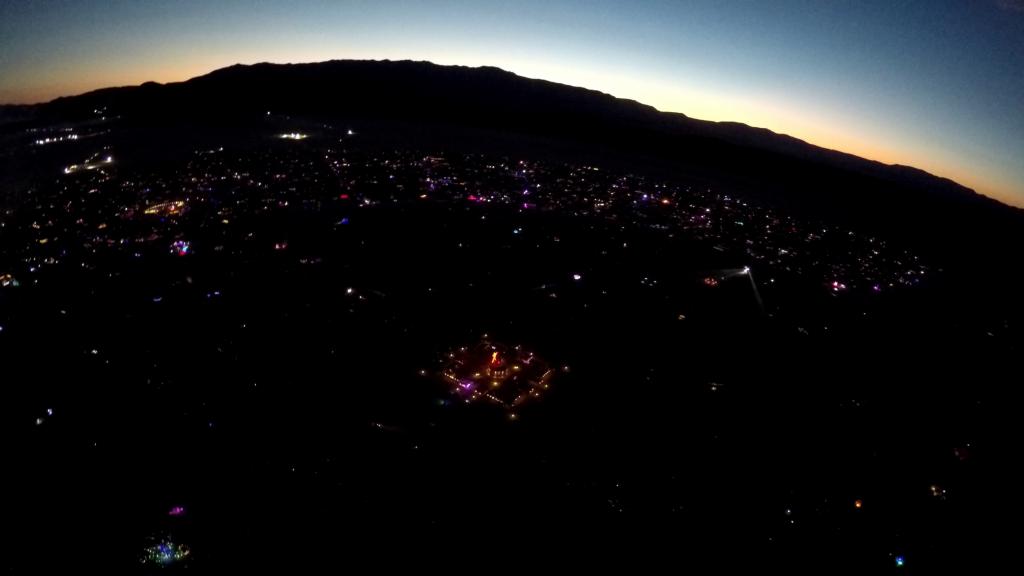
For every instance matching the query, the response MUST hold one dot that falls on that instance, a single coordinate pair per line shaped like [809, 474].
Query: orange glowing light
[494, 359]
[857, 504]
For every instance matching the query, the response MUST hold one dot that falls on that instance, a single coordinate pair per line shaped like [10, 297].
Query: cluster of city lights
[181, 247]
[89, 165]
[504, 375]
[165, 553]
[166, 208]
[54, 139]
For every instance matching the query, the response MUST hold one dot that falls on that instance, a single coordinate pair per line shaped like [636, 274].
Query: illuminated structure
[181, 247]
[165, 553]
[92, 163]
[173, 208]
[492, 372]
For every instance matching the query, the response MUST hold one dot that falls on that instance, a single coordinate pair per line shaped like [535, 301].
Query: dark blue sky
[938, 84]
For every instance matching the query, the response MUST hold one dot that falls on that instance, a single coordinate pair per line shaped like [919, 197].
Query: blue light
[899, 561]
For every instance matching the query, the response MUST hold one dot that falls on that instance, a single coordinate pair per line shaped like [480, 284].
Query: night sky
[936, 84]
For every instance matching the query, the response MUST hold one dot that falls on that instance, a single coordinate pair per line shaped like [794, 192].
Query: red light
[343, 197]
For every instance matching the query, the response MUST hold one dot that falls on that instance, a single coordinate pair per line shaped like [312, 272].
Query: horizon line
[989, 196]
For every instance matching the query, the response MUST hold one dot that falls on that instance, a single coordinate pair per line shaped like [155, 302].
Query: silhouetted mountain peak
[500, 106]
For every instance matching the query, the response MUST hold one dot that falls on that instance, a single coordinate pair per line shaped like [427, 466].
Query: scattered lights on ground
[171, 206]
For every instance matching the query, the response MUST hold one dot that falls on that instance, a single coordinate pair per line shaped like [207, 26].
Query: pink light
[181, 248]
[177, 511]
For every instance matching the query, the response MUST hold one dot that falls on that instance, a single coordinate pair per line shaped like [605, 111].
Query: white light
[577, 277]
[746, 269]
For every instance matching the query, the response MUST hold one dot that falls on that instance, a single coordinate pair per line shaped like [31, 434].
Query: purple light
[177, 511]
[181, 247]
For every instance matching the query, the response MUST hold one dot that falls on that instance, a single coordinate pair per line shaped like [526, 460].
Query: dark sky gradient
[937, 84]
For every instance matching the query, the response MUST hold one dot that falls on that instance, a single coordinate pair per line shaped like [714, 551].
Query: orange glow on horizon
[759, 110]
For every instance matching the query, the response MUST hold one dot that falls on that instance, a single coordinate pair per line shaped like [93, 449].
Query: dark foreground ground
[276, 400]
